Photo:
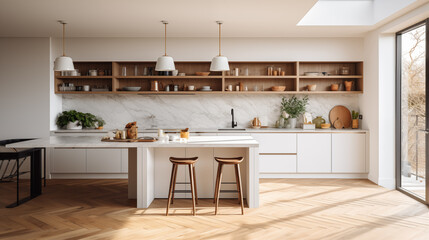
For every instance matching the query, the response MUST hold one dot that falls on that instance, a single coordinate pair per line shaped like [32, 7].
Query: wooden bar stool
[236, 162]
[191, 164]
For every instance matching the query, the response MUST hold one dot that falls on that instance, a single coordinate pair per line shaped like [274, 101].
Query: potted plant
[355, 119]
[76, 120]
[292, 108]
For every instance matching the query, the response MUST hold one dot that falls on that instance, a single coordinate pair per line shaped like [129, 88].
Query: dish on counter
[325, 125]
[133, 89]
[342, 114]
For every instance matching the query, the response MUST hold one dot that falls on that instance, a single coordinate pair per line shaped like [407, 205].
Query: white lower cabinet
[314, 153]
[277, 163]
[69, 160]
[348, 153]
[103, 160]
[276, 142]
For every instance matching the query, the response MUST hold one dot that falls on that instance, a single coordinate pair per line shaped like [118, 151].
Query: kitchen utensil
[311, 87]
[236, 71]
[176, 88]
[175, 72]
[229, 88]
[134, 89]
[191, 87]
[338, 124]
[237, 88]
[124, 71]
[334, 87]
[86, 88]
[202, 73]
[206, 87]
[278, 88]
[283, 73]
[275, 73]
[342, 113]
[311, 74]
[325, 125]
[174, 137]
[270, 71]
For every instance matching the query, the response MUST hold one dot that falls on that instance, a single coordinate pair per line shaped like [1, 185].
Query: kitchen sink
[232, 129]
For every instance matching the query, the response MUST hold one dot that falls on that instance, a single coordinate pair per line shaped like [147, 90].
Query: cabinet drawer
[277, 163]
[276, 142]
[103, 160]
[69, 160]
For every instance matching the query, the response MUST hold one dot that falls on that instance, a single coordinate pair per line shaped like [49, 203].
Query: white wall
[24, 87]
[378, 101]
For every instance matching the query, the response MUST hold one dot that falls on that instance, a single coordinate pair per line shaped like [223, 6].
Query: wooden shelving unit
[295, 80]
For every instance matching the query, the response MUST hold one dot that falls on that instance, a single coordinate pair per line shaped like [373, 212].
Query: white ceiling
[188, 18]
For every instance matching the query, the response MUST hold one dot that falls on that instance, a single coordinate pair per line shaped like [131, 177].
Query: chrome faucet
[233, 124]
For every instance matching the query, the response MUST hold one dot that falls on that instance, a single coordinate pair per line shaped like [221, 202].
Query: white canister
[191, 88]
[236, 71]
[92, 72]
[86, 88]
[161, 133]
[175, 72]
[229, 87]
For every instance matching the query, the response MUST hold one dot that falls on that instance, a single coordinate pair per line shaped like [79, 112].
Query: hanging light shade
[165, 62]
[63, 63]
[219, 63]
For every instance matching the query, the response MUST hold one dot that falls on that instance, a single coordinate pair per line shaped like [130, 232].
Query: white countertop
[95, 142]
[207, 130]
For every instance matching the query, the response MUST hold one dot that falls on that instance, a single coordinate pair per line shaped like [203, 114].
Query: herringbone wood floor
[290, 209]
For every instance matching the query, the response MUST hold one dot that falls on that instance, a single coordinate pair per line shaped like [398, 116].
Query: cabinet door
[69, 160]
[228, 172]
[348, 153]
[276, 142]
[277, 163]
[314, 153]
[204, 171]
[103, 160]
[163, 168]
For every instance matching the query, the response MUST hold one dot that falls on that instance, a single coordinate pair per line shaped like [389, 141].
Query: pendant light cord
[64, 30]
[219, 39]
[165, 39]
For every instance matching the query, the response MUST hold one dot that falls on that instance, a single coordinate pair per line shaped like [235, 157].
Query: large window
[412, 122]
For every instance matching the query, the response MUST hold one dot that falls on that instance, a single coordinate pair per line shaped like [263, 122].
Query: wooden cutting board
[130, 140]
[342, 113]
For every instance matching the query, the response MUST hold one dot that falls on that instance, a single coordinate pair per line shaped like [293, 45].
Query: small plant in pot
[355, 119]
[100, 123]
[293, 108]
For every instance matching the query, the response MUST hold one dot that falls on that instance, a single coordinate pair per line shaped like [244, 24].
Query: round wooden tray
[342, 113]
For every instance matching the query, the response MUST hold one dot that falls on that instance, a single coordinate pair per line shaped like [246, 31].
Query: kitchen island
[149, 167]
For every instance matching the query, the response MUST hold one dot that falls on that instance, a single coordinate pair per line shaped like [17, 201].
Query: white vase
[74, 125]
[292, 122]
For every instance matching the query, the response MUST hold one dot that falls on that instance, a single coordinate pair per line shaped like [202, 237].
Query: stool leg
[191, 178]
[171, 187]
[237, 183]
[219, 182]
[216, 186]
[195, 184]
[174, 181]
[240, 190]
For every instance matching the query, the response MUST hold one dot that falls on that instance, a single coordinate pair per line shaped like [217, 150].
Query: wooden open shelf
[133, 74]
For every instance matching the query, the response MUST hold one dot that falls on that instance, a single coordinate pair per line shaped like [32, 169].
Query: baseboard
[315, 175]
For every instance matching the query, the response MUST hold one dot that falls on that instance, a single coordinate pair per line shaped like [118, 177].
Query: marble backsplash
[195, 111]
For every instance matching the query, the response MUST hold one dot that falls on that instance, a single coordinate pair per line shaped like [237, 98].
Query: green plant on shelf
[355, 115]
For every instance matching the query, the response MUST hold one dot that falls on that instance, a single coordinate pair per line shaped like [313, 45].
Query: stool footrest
[229, 191]
[182, 191]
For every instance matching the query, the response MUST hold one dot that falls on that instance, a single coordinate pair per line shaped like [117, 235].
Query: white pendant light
[219, 63]
[63, 63]
[165, 62]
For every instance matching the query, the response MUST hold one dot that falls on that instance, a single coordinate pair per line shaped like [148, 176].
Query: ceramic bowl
[312, 87]
[325, 125]
[278, 88]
